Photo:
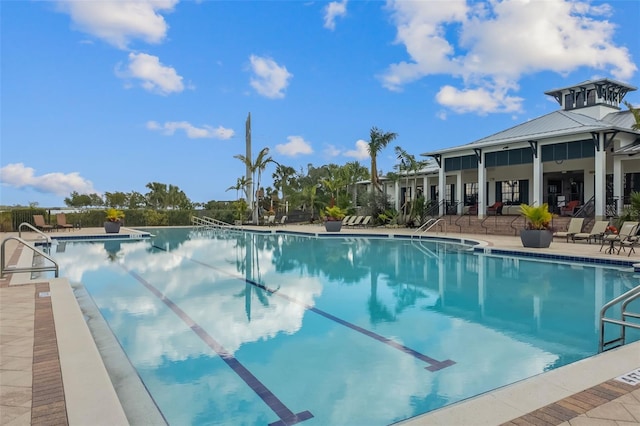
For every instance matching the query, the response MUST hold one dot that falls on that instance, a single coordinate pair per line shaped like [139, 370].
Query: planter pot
[333, 225]
[535, 238]
[112, 227]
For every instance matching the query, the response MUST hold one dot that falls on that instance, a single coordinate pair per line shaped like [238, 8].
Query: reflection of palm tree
[377, 311]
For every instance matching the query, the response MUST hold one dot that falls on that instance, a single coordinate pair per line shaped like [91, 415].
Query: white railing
[428, 225]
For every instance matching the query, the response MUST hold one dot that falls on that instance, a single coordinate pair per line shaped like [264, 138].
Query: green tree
[408, 165]
[282, 177]
[135, 200]
[115, 199]
[157, 195]
[378, 140]
[636, 115]
[256, 167]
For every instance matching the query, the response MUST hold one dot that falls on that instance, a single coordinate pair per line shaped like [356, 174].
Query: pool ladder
[4, 269]
[623, 321]
[428, 225]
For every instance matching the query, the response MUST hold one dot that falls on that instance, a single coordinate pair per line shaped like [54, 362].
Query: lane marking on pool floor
[287, 417]
[434, 364]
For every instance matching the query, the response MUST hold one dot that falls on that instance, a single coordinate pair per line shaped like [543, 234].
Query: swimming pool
[242, 328]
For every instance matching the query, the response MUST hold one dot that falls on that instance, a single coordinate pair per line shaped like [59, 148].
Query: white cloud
[491, 45]
[331, 151]
[192, 132]
[154, 76]
[333, 10]
[481, 100]
[361, 152]
[19, 176]
[296, 146]
[119, 22]
[269, 79]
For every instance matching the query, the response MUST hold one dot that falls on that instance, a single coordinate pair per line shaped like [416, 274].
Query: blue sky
[105, 96]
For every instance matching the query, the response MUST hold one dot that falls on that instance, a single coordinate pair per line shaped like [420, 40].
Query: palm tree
[636, 115]
[377, 141]
[257, 166]
[241, 183]
[409, 164]
[281, 178]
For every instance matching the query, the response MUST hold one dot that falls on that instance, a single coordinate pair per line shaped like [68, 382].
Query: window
[510, 192]
[470, 193]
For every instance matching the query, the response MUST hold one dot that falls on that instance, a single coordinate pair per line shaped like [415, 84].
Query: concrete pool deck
[52, 373]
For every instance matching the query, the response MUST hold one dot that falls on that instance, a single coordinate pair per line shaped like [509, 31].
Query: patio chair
[61, 221]
[495, 209]
[627, 231]
[365, 222]
[569, 208]
[596, 233]
[356, 222]
[283, 219]
[346, 219]
[575, 227]
[351, 220]
[38, 221]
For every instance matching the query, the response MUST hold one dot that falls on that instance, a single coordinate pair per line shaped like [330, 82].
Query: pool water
[254, 329]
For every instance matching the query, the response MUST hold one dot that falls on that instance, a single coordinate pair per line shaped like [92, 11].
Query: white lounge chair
[596, 233]
[575, 227]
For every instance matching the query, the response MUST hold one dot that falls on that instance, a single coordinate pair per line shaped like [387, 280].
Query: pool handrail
[215, 223]
[428, 225]
[625, 299]
[33, 228]
[13, 269]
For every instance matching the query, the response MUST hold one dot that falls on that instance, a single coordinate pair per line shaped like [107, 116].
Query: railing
[428, 225]
[624, 299]
[13, 269]
[587, 209]
[434, 210]
[33, 228]
[210, 222]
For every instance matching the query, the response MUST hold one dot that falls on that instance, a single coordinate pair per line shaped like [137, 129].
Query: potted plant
[333, 219]
[113, 221]
[537, 232]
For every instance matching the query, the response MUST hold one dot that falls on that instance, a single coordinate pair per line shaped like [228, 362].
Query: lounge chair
[358, 220]
[365, 222]
[38, 220]
[627, 231]
[346, 220]
[569, 208]
[283, 219]
[61, 221]
[575, 227]
[596, 233]
[351, 220]
[271, 220]
[495, 209]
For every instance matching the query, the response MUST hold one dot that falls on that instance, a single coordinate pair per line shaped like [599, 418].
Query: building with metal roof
[586, 151]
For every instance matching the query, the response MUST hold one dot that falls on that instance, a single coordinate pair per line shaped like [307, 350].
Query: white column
[601, 178]
[441, 186]
[482, 185]
[618, 185]
[396, 190]
[536, 196]
[459, 193]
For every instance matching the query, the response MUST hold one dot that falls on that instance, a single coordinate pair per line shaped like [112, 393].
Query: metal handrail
[209, 221]
[33, 228]
[625, 298]
[14, 269]
[428, 225]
